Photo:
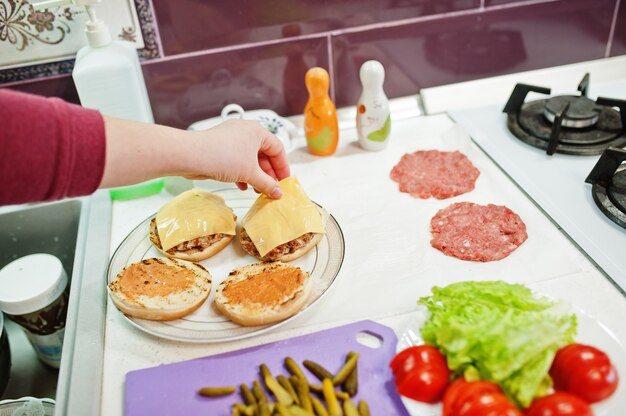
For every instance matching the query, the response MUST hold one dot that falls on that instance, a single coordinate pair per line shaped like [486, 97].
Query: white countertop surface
[388, 262]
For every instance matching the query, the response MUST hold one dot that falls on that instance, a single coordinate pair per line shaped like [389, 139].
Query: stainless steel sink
[77, 231]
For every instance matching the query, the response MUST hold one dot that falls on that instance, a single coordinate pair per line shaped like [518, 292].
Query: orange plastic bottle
[320, 116]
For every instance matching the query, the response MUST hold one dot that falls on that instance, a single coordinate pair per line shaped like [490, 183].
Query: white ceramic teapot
[282, 128]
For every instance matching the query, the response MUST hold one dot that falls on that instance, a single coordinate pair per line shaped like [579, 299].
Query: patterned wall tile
[474, 45]
[191, 25]
[185, 90]
[618, 46]
[41, 43]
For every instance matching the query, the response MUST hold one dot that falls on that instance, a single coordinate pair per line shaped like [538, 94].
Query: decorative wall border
[149, 51]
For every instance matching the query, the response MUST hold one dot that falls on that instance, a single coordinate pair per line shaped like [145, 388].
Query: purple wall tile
[192, 25]
[188, 89]
[474, 45]
[618, 46]
[59, 86]
[499, 2]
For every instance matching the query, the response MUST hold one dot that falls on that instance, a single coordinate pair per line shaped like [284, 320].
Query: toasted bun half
[194, 254]
[263, 293]
[285, 252]
[160, 289]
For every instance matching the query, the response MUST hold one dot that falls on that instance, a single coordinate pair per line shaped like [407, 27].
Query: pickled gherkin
[289, 387]
[317, 370]
[364, 408]
[216, 391]
[293, 368]
[345, 371]
[351, 385]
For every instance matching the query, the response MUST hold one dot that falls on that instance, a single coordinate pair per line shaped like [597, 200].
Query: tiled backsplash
[206, 54]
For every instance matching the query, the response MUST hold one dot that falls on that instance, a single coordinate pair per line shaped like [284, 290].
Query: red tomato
[425, 384]
[421, 373]
[477, 398]
[451, 394]
[574, 356]
[491, 403]
[593, 383]
[559, 404]
[474, 390]
[584, 371]
[418, 356]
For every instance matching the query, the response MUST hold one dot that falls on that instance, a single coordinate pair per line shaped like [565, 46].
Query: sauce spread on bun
[263, 293]
[150, 279]
[160, 289]
[267, 288]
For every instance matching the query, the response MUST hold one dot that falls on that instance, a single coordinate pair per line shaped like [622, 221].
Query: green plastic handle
[137, 191]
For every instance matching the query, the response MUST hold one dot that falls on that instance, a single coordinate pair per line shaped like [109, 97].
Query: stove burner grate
[566, 124]
[608, 177]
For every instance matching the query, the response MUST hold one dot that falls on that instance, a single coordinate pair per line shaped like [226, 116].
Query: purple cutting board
[170, 389]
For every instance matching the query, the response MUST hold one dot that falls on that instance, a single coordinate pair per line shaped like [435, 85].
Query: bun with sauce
[263, 293]
[193, 226]
[160, 289]
[282, 229]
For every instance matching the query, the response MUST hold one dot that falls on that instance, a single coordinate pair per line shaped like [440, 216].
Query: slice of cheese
[191, 215]
[272, 222]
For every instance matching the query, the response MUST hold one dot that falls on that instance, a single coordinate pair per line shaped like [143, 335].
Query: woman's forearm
[235, 151]
[136, 152]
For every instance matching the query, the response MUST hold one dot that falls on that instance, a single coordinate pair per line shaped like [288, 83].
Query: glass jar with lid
[33, 293]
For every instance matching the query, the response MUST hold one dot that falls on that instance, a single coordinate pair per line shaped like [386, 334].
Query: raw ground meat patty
[475, 232]
[427, 173]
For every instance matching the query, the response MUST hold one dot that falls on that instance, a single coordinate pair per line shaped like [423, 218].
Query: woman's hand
[244, 152]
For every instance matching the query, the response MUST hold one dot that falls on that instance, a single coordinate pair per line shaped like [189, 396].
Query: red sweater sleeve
[50, 149]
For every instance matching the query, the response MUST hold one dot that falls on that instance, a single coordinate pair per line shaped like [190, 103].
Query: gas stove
[608, 178]
[569, 124]
[551, 149]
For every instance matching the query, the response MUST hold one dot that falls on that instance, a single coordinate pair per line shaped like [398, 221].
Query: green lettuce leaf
[499, 332]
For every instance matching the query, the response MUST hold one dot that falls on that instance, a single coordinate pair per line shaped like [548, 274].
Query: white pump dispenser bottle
[108, 78]
[107, 73]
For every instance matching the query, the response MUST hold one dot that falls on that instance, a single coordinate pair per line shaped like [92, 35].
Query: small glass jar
[5, 357]
[33, 293]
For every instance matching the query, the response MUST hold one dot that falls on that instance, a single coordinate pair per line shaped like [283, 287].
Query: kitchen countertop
[354, 186]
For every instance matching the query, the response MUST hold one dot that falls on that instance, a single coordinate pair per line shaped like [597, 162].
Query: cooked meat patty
[197, 244]
[281, 250]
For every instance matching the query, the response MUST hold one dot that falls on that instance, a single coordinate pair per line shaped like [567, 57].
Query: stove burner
[566, 124]
[609, 185]
[581, 112]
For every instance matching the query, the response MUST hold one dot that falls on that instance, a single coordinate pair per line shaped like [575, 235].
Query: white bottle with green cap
[108, 78]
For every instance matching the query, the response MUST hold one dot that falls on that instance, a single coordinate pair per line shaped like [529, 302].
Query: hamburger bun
[263, 293]
[160, 289]
[282, 229]
[286, 252]
[196, 250]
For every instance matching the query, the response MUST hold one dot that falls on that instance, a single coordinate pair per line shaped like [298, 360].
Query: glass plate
[590, 331]
[206, 324]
